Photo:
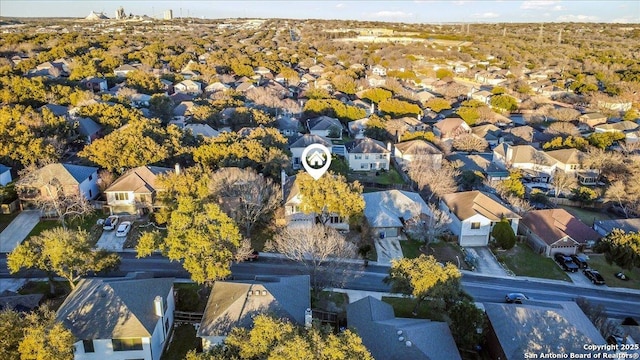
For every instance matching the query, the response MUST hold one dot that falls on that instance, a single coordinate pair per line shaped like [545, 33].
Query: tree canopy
[330, 194]
[621, 248]
[398, 108]
[504, 235]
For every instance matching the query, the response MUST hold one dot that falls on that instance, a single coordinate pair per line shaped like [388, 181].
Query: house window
[364, 166]
[366, 157]
[90, 177]
[90, 193]
[335, 220]
[357, 156]
[88, 346]
[127, 344]
[143, 198]
[381, 157]
[121, 196]
[475, 225]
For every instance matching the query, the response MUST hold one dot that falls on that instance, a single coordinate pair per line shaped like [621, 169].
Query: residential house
[593, 119]
[367, 154]
[450, 128]
[379, 70]
[298, 146]
[521, 135]
[188, 87]
[245, 86]
[605, 227]
[294, 212]
[203, 130]
[136, 190]
[617, 105]
[95, 84]
[288, 125]
[325, 126]
[398, 127]
[376, 81]
[490, 78]
[556, 231]
[632, 137]
[568, 160]
[68, 178]
[119, 318]
[490, 133]
[122, 70]
[536, 165]
[392, 338]
[619, 127]
[480, 163]
[516, 330]
[473, 214]
[316, 70]
[140, 100]
[406, 152]
[5, 175]
[357, 128]
[234, 304]
[387, 211]
[88, 129]
[216, 86]
[480, 95]
[184, 109]
[57, 110]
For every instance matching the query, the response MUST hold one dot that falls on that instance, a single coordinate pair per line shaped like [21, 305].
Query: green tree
[36, 335]
[504, 102]
[621, 248]
[376, 129]
[344, 83]
[161, 106]
[330, 195]
[470, 115]
[504, 235]
[397, 108]
[467, 324]
[444, 73]
[109, 115]
[584, 194]
[513, 185]
[144, 82]
[376, 95]
[271, 338]
[66, 253]
[604, 140]
[333, 108]
[419, 135]
[28, 138]
[498, 90]
[438, 104]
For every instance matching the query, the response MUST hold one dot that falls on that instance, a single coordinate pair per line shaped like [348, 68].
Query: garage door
[476, 240]
[566, 250]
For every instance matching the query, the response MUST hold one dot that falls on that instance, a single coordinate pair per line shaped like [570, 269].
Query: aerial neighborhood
[482, 199]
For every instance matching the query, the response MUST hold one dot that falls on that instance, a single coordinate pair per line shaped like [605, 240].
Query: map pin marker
[316, 159]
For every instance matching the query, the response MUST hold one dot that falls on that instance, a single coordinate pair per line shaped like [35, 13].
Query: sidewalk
[18, 230]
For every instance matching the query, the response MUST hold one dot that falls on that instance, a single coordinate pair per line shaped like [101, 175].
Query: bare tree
[321, 250]
[246, 196]
[427, 227]
[520, 205]
[564, 114]
[562, 181]
[470, 142]
[432, 179]
[561, 128]
[105, 179]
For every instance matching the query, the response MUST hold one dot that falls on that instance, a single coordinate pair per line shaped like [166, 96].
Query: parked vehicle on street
[111, 222]
[515, 298]
[565, 262]
[594, 276]
[123, 229]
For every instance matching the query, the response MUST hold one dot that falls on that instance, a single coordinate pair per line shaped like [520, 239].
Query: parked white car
[110, 223]
[123, 229]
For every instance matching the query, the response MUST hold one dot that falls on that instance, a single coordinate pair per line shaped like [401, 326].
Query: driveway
[486, 262]
[388, 249]
[18, 230]
[109, 241]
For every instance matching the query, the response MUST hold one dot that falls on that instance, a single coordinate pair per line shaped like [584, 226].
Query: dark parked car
[565, 262]
[580, 260]
[515, 298]
[594, 276]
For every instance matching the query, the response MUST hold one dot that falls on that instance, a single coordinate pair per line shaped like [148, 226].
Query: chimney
[177, 168]
[389, 146]
[157, 302]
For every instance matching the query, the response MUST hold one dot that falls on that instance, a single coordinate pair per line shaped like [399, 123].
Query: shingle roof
[554, 224]
[448, 125]
[308, 139]
[524, 154]
[619, 126]
[567, 156]
[4, 168]
[627, 225]
[387, 208]
[139, 180]
[417, 147]
[202, 129]
[374, 321]
[113, 308]
[88, 127]
[469, 203]
[230, 304]
[323, 123]
[57, 110]
[549, 327]
[366, 146]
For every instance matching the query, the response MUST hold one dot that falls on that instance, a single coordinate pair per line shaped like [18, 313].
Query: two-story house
[136, 190]
[406, 152]
[299, 145]
[367, 155]
[473, 215]
[119, 318]
[536, 165]
[53, 180]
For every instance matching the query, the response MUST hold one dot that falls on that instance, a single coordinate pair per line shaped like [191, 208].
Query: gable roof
[234, 304]
[366, 146]
[567, 156]
[469, 203]
[139, 180]
[380, 331]
[308, 139]
[4, 168]
[417, 147]
[624, 125]
[627, 225]
[523, 154]
[554, 224]
[449, 124]
[113, 308]
[202, 129]
[66, 174]
[323, 123]
[488, 132]
[88, 127]
[389, 208]
[541, 327]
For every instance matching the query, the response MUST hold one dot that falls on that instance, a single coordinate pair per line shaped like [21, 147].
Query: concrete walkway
[18, 230]
[108, 241]
[487, 263]
[388, 249]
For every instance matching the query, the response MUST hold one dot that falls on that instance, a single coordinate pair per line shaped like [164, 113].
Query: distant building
[168, 14]
[120, 13]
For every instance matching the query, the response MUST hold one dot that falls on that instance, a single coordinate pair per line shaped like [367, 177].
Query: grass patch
[330, 301]
[447, 252]
[191, 297]
[608, 271]
[403, 307]
[184, 339]
[388, 177]
[5, 220]
[523, 261]
[43, 225]
[587, 216]
[87, 223]
[411, 248]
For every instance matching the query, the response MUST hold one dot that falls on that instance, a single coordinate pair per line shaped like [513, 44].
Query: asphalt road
[618, 303]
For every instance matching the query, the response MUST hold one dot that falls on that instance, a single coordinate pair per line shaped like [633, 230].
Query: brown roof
[448, 125]
[554, 224]
[469, 203]
[567, 156]
[417, 147]
[139, 180]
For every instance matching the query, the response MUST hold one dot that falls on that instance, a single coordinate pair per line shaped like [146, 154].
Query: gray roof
[113, 308]
[366, 146]
[88, 127]
[604, 227]
[202, 129]
[140, 180]
[323, 123]
[470, 203]
[541, 327]
[57, 110]
[376, 324]
[4, 168]
[417, 147]
[231, 305]
[78, 172]
[308, 139]
[389, 208]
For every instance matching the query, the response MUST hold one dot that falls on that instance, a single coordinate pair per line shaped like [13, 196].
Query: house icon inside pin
[316, 159]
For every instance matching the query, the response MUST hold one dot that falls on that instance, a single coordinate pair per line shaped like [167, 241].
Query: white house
[536, 165]
[188, 87]
[135, 191]
[5, 175]
[387, 211]
[299, 145]
[406, 152]
[367, 154]
[122, 70]
[379, 70]
[568, 160]
[473, 215]
[119, 318]
[325, 126]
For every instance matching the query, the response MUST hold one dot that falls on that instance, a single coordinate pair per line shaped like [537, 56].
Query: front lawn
[5, 220]
[523, 261]
[88, 223]
[446, 252]
[404, 306]
[383, 178]
[411, 248]
[587, 216]
[183, 340]
[608, 271]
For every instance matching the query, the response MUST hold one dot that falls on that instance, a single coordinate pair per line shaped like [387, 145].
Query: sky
[418, 11]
